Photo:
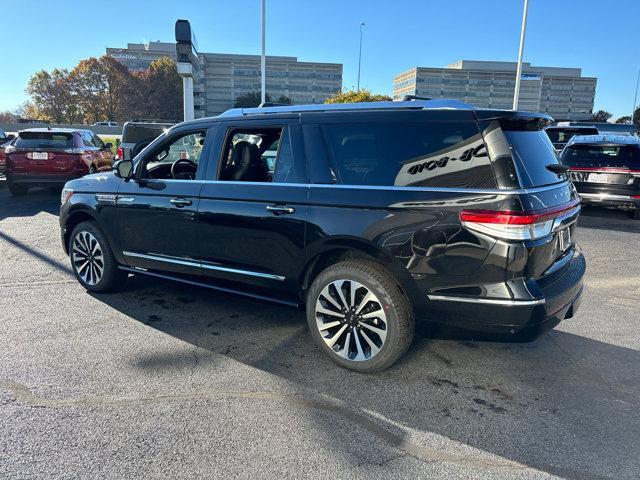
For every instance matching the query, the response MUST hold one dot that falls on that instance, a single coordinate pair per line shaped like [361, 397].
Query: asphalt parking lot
[165, 380]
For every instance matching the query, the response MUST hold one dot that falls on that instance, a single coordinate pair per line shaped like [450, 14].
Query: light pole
[263, 61]
[516, 93]
[635, 98]
[360, 54]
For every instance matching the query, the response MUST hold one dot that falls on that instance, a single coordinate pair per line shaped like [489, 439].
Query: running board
[255, 296]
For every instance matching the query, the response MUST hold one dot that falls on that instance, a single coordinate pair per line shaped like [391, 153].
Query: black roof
[412, 105]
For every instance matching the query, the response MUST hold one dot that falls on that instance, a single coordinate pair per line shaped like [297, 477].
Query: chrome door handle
[180, 202]
[280, 209]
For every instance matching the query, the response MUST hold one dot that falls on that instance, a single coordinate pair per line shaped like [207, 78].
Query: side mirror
[123, 169]
[8, 138]
[107, 146]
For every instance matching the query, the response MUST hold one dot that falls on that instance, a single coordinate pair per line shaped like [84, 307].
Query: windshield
[602, 155]
[42, 140]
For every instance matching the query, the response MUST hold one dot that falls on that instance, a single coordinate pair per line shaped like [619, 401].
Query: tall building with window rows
[561, 92]
[219, 78]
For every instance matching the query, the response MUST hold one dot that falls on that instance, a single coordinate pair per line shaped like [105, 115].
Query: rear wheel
[17, 189]
[92, 260]
[359, 317]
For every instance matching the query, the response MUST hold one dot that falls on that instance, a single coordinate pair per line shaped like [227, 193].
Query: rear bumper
[521, 318]
[610, 200]
[41, 179]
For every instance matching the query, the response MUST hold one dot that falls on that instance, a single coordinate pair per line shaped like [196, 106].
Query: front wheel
[358, 316]
[92, 260]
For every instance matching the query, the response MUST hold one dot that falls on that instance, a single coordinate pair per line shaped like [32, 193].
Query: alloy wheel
[87, 258]
[351, 320]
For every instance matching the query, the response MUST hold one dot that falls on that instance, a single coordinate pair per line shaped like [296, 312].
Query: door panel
[253, 232]
[157, 216]
[152, 226]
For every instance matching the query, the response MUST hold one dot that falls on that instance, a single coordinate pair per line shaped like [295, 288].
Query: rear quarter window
[421, 154]
[520, 152]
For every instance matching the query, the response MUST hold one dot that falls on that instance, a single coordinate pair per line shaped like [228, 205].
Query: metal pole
[635, 98]
[263, 60]
[187, 89]
[360, 54]
[516, 93]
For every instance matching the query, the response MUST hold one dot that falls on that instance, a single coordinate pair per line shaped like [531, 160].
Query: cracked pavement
[171, 381]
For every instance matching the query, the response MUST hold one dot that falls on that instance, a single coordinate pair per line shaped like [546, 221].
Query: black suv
[373, 215]
[606, 170]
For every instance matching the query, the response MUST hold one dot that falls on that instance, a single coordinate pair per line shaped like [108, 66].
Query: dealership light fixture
[516, 93]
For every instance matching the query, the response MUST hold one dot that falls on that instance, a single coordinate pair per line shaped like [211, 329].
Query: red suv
[52, 156]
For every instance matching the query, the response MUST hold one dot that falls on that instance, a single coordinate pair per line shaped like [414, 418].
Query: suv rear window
[532, 151]
[409, 154]
[36, 140]
[602, 155]
[142, 133]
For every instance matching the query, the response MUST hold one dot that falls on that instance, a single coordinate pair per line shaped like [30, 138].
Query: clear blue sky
[600, 37]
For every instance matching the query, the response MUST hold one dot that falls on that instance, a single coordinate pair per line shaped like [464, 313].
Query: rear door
[253, 206]
[600, 168]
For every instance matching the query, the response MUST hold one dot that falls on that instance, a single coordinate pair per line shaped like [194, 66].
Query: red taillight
[511, 225]
[120, 153]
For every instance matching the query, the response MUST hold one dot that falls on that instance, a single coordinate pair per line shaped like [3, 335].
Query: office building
[561, 92]
[220, 78]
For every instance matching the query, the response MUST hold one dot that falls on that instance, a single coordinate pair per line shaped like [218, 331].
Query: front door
[253, 207]
[157, 209]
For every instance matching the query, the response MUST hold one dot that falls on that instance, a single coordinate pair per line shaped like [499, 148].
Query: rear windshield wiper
[557, 168]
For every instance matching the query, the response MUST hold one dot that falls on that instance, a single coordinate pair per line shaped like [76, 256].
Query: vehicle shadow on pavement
[607, 219]
[37, 200]
[564, 404]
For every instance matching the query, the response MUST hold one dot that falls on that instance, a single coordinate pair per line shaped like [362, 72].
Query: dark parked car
[137, 134]
[5, 139]
[606, 170]
[373, 215]
[561, 134]
[52, 156]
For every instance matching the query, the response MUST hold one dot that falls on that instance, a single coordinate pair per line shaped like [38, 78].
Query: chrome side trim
[606, 196]
[125, 199]
[491, 191]
[190, 263]
[487, 301]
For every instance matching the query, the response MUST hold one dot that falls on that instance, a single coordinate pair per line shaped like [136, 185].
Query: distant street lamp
[516, 93]
[635, 98]
[360, 54]
[263, 61]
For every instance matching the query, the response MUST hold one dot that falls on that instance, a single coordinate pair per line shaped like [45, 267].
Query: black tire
[399, 319]
[112, 278]
[17, 189]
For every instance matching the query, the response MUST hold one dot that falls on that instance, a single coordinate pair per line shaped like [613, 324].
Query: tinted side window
[97, 141]
[87, 139]
[422, 154]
